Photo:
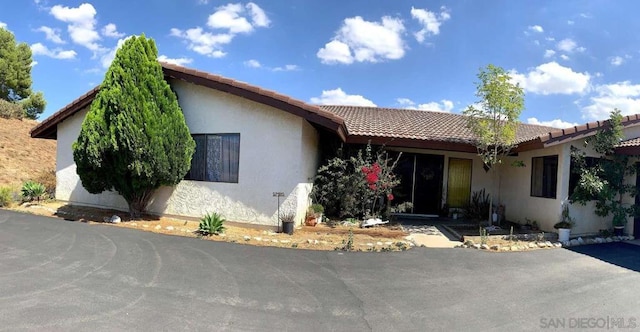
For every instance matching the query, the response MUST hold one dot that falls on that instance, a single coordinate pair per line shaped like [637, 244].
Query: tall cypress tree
[134, 138]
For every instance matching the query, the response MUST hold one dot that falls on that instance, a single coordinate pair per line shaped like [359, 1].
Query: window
[216, 159]
[574, 176]
[544, 176]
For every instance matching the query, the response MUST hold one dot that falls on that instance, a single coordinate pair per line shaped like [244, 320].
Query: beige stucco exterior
[278, 153]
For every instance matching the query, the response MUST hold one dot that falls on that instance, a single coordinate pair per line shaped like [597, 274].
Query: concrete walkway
[429, 236]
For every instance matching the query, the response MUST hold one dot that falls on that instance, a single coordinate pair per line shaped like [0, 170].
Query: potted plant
[288, 219]
[318, 210]
[565, 224]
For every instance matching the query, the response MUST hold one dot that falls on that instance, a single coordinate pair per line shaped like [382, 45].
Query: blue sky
[576, 60]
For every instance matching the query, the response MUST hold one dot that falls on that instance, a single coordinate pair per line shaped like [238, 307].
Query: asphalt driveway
[62, 275]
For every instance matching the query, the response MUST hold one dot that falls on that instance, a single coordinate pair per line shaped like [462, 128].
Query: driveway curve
[63, 275]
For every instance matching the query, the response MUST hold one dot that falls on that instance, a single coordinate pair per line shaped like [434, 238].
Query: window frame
[551, 193]
[205, 159]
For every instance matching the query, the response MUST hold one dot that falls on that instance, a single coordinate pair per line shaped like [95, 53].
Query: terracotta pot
[311, 222]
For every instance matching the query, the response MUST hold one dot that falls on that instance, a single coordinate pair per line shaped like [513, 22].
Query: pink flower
[390, 197]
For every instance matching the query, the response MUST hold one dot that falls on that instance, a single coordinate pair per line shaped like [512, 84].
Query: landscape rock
[532, 245]
[557, 245]
[476, 246]
[158, 227]
[580, 241]
[513, 248]
[285, 241]
[541, 245]
[257, 238]
[133, 224]
[145, 226]
[484, 246]
[115, 219]
[275, 240]
[599, 240]
[609, 240]
[469, 243]
[169, 228]
[388, 243]
[575, 242]
[631, 237]
[548, 244]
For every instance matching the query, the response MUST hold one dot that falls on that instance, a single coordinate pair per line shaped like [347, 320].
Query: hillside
[22, 157]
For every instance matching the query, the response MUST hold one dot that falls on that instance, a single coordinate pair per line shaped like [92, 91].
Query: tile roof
[418, 125]
[630, 143]
[312, 113]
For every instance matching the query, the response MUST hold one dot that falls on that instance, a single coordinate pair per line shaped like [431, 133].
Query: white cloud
[110, 30]
[536, 28]
[51, 34]
[175, 61]
[549, 53]
[552, 78]
[444, 105]
[430, 21]
[205, 43]
[570, 22]
[234, 17]
[569, 45]
[39, 49]
[34, 63]
[252, 63]
[339, 97]
[564, 57]
[258, 16]
[81, 24]
[287, 68]
[622, 95]
[3, 25]
[364, 41]
[617, 60]
[556, 123]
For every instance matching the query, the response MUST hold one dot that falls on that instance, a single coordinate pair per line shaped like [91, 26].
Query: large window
[217, 158]
[544, 176]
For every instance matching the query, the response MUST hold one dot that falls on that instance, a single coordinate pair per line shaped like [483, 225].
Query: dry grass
[321, 237]
[22, 157]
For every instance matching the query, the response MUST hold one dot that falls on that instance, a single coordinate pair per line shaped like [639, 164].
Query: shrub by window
[574, 176]
[544, 176]
[216, 159]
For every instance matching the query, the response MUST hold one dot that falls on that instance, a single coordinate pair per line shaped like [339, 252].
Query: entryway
[421, 177]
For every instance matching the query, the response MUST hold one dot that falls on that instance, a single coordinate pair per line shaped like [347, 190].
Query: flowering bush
[359, 186]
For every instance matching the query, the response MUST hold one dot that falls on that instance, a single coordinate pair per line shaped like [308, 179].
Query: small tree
[15, 77]
[134, 138]
[604, 182]
[494, 120]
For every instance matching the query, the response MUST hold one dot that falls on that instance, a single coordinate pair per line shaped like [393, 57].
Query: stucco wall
[278, 153]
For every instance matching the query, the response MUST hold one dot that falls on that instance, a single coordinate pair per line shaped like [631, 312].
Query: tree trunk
[138, 203]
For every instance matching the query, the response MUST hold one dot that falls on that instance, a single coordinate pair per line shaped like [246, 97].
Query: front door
[459, 182]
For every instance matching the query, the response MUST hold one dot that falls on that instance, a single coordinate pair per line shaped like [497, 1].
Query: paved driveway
[61, 275]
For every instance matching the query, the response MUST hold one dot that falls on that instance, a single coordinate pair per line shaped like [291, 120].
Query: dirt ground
[320, 237]
[22, 157]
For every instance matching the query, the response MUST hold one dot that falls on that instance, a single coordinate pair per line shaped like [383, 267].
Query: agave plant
[33, 191]
[211, 224]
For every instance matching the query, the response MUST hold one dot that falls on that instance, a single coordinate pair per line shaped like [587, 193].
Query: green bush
[6, 196]
[478, 207]
[9, 110]
[211, 223]
[32, 190]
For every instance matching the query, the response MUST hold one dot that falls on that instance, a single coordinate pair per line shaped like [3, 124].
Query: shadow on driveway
[617, 253]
